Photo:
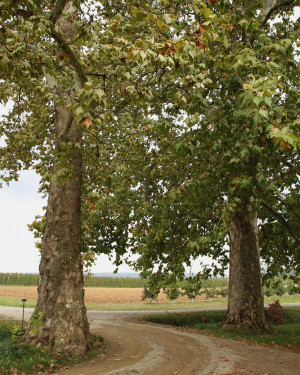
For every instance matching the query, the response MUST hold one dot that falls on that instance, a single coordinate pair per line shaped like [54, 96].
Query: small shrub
[268, 292]
[149, 293]
[223, 292]
[191, 290]
[210, 293]
[280, 290]
[172, 293]
[292, 289]
[276, 313]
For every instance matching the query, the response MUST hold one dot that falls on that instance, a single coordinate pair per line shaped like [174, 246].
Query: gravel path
[146, 349]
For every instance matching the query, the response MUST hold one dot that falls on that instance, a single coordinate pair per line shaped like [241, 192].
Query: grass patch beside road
[140, 306]
[16, 302]
[210, 322]
[20, 358]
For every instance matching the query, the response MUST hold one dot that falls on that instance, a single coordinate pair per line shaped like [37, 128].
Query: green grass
[210, 322]
[140, 306]
[28, 358]
[16, 302]
[24, 357]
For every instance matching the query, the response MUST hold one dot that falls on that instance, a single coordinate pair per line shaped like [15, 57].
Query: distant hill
[121, 274]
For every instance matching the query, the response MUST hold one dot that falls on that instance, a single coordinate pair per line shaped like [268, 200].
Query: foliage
[191, 288]
[280, 286]
[276, 312]
[188, 111]
[149, 293]
[114, 282]
[28, 358]
[223, 292]
[292, 289]
[27, 279]
[280, 290]
[14, 354]
[223, 133]
[172, 292]
[210, 322]
[268, 292]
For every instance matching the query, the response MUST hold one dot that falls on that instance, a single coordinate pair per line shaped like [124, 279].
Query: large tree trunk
[63, 326]
[245, 301]
[59, 321]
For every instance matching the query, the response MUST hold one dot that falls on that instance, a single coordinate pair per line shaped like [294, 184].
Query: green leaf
[207, 12]
[264, 113]
[100, 93]
[268, 102]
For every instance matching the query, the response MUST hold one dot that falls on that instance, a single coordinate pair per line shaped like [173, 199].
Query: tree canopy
[163, 119]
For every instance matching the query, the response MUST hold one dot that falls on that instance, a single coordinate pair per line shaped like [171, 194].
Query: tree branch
[281, 218]
[276, 7]
[289, 205]
[70, 54]
[147, 182]
[57, 10]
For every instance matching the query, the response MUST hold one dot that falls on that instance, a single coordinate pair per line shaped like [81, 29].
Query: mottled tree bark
[245, 300]
[62, 324]
[64, 327]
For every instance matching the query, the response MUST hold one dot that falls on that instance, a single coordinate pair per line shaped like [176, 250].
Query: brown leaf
[87, 122]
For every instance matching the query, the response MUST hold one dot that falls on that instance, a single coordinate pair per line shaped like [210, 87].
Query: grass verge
[20, 358]
[140, 306]
[210, 323]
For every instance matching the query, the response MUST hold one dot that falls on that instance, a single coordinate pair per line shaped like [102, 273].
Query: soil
[146, 349]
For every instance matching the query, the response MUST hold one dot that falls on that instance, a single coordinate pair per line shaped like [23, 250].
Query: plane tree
[220, 164]
[77, 73]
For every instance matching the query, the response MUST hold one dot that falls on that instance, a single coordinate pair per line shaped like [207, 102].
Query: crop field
[92, 295]
[31, 279]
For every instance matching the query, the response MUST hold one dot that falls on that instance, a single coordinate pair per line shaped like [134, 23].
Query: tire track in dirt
[144, 349]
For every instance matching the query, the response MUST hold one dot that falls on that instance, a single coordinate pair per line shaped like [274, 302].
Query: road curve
[146, 349]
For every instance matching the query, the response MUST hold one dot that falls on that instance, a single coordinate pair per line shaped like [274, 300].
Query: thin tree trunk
[62, 325]
[245, 300]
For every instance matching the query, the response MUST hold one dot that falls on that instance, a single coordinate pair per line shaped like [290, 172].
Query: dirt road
[155, 350]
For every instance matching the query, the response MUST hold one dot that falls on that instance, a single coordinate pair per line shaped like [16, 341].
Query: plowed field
[92, 295]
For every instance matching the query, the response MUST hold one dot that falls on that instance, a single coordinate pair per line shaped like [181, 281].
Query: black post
[23, 300]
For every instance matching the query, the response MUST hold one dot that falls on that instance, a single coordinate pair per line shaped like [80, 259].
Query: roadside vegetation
[20, 358]
[284, 326]
[148, 305]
